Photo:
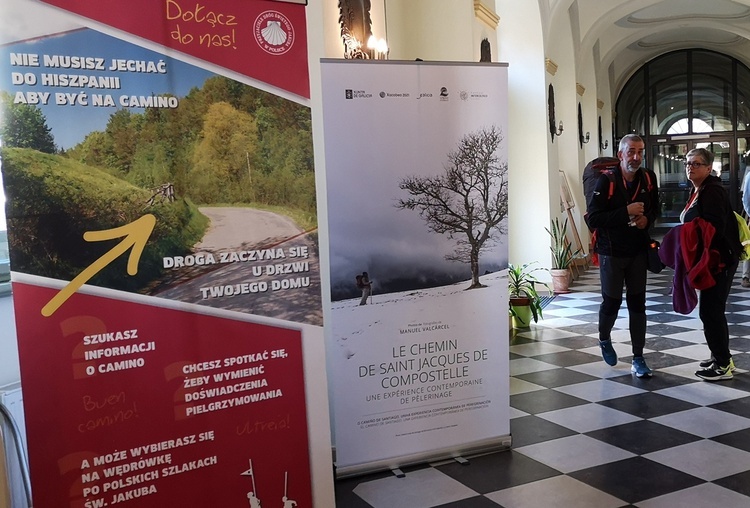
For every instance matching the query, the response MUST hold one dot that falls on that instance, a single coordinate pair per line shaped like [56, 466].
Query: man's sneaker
[707, 363]
[745, 282]
[640, 368]
[715, 373]
[608, 352]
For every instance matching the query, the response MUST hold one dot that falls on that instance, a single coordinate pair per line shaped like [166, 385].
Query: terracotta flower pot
[560, 280]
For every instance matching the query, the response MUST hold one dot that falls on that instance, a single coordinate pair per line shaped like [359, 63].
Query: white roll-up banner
[417, 186]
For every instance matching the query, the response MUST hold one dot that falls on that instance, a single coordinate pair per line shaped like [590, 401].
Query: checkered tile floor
[589, 435]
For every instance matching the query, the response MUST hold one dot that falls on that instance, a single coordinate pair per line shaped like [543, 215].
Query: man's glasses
[695, 164]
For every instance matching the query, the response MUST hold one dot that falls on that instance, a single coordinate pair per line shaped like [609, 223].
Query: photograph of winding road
[248, 232]
[226, 172]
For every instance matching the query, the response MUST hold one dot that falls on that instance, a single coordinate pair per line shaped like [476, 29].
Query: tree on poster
[24, 126]
[468, 201]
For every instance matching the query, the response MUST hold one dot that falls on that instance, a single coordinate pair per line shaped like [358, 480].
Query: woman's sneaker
[640, 368]
[707, 363]
[715, 373]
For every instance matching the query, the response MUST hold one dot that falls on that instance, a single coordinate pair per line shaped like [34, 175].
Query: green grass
[53, 200]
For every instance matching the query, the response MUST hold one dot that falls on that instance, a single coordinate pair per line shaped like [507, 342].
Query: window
[668, 100]
[631, 116]
[685, 92]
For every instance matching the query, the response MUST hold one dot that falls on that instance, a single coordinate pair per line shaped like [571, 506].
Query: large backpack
[360, 283]
[591, 174]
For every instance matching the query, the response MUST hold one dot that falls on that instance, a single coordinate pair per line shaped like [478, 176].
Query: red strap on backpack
[594, 254]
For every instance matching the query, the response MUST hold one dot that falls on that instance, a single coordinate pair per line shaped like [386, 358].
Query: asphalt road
[240, 233]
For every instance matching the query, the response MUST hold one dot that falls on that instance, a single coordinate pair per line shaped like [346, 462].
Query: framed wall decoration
[551, 111]
[356, 27]
[581, 139]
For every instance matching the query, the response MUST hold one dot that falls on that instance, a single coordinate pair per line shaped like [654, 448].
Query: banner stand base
[449, 454]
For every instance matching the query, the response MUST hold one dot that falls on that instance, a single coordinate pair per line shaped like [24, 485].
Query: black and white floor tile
[589, 435]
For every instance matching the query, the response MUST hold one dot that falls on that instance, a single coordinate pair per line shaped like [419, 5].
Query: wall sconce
[559, 129]
[603, 145]
[587, 137]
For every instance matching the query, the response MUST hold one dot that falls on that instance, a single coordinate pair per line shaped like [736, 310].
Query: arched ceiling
[619, 36]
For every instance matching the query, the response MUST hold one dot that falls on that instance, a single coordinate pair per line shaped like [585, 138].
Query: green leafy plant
[522, 285]
[562, 250]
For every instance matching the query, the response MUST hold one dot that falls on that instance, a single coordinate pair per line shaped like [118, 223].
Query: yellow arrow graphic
[135, 235]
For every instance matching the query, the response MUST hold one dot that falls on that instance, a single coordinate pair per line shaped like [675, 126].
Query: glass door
[668, 162]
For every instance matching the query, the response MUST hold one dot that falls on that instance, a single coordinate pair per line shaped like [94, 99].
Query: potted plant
[562, 256]
[525, 302]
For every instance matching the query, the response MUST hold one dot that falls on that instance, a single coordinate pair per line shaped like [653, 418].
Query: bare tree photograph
[468, 201]
[419, 198]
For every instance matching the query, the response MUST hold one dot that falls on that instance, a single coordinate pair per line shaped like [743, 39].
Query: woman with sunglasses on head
[709, 201]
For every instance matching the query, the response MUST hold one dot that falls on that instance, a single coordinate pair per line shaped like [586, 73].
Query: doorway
[668, 162]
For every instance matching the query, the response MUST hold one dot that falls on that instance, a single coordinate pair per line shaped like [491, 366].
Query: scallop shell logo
[274, 32]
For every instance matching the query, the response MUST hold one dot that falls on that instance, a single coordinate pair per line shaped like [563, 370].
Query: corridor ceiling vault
[621, 35]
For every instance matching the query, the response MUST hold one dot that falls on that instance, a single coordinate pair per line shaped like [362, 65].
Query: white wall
[562, 49]
[521, 44]
[434, 30]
